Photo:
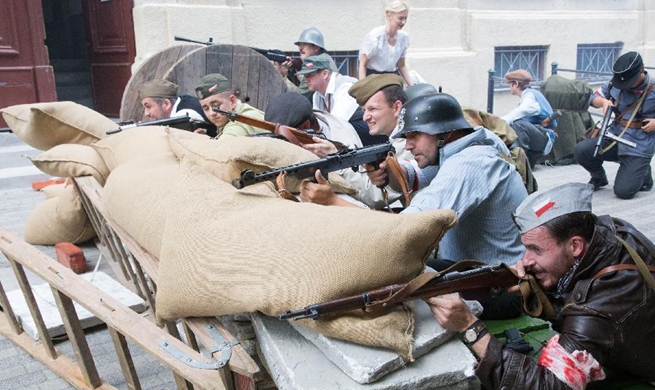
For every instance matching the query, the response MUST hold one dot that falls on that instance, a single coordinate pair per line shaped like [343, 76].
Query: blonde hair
[396, 6]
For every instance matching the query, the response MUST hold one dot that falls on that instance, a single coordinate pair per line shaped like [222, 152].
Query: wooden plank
[63, 366]
[25, 287]
[186, 72]
[154, 67]
[125, 360]
[109, 310]
[219, 60]
[244, 80]
[8, 311]
[77, 338]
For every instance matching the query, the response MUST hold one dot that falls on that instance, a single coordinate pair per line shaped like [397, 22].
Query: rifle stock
[470, 283]
[295, 136]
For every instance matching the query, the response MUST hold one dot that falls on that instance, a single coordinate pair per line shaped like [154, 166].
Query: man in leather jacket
[606, 316]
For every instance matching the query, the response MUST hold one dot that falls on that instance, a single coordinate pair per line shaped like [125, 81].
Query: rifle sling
[640, 265]
[396, 171]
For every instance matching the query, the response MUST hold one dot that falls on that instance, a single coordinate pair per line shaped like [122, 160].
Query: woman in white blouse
[384, 47]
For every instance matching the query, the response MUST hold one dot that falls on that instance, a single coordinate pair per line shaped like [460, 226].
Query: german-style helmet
[311, 35]
[434, 113]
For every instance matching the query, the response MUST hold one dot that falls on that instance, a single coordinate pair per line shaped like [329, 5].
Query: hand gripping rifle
[182, 122]
[344, 158]
[604, 133]
[471, 283]
[295, 136]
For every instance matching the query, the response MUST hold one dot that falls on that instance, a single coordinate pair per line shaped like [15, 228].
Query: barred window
[508, 58]
[347, 61]
[598, 58]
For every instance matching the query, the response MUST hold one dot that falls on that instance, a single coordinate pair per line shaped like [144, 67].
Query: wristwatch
[474, 333]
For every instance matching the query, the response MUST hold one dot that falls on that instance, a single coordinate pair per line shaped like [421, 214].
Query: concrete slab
[50, 312]
[295, 363]
[365, 364]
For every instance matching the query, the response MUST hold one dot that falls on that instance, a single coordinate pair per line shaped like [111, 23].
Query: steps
[73, 81]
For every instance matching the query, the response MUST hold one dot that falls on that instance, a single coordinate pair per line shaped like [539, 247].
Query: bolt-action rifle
[182, 122]
[295, 136]
[344, 158]
[471, 284]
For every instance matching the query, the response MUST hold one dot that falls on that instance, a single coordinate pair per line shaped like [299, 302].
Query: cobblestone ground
[19, 371]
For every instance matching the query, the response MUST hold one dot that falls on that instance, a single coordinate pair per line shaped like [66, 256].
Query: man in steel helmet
[473, 179]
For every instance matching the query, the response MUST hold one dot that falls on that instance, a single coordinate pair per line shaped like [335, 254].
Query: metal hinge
[222, 346]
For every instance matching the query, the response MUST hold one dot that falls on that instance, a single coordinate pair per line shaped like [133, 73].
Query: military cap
[157, 88]
[288, 109]
[543, 206]
[212, 84]
[520, 75]
[363, 89]
[314, 63]
[626, 69]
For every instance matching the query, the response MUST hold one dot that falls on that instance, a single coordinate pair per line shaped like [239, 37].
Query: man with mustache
[598, 271]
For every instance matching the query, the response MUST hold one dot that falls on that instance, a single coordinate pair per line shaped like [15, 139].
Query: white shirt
[185, 112]
[528, 106]
[336, 100]
[383, 57]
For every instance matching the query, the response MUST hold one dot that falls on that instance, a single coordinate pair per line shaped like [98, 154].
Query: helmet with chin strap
[311, 35]
[434, 113]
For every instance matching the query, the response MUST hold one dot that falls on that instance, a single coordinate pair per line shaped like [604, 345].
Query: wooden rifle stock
[295, 136]
[470, 283]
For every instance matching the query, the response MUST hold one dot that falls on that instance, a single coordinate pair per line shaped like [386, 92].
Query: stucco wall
[452, 41]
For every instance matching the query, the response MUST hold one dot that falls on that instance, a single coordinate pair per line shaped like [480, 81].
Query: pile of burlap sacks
[222, 250]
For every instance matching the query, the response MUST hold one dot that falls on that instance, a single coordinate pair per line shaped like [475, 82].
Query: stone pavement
[19, 371]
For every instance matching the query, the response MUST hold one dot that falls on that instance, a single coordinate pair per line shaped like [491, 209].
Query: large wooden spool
[254, 79]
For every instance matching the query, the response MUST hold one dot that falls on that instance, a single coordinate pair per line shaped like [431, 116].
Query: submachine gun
[604, 133]
[182, 122]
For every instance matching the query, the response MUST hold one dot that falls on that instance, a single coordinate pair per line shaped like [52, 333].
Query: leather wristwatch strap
[474, 333]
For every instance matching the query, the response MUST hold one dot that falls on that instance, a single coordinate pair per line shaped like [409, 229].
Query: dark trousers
[634, 172]
[532, 138]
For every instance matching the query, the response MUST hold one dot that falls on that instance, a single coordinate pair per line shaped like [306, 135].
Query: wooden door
[110, 32]
[25, 73]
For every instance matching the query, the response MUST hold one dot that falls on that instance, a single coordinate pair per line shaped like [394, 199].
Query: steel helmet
[419, 89]
[434, 113]
[311, 35]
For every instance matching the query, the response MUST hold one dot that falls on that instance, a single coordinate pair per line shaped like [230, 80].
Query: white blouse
[382, 56]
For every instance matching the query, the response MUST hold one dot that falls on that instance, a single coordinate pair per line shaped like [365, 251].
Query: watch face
[470, 335]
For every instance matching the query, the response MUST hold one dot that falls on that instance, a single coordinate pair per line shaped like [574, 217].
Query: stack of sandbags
[64, 130]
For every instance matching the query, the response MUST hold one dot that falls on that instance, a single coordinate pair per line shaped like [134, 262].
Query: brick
[71, 256]
[39, 185]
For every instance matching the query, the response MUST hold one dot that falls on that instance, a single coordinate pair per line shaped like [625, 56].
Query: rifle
[471, 283]
[604, 133]
[183, 122]
[344, 158]
[295, 136]
[271, 55]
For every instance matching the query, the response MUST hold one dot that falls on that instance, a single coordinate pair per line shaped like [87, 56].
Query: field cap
[520, 75]
[626, 69]
[212, 84]
[157, 88]
[363, 89]
[543, 206]
[316, 63]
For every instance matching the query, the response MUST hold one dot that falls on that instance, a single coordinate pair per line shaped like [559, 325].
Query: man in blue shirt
[531, 119]
[630, 94]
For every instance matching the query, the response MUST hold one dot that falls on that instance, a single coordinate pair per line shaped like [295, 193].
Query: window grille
[508, 58]
[347, 61]
[596, 57]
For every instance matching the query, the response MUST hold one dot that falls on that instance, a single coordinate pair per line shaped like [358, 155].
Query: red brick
[38, 185]
[71, 256]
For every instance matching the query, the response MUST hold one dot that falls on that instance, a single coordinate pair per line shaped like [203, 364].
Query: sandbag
[226, 158]
[45, 125]
[55, 190]
[72, 160]
[59, 219]
[229, 251]
[136, 198]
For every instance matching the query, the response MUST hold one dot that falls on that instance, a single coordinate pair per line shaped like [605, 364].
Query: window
[596, 57]
[347, 61]
[508, 58]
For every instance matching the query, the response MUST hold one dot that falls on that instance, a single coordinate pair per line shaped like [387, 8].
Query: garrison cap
[315, 63]
[157, 88]
[626, 69]
[520, 75]
[212, 84]
[288, 109]
[543, 206]
[363, 89]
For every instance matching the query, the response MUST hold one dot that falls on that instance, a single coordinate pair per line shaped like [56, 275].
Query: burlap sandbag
[72, 160]
[136, 198]
[228, 251]
[45, 125]
[139, 142]
[59, 219]
[55, 190]
[226, 158]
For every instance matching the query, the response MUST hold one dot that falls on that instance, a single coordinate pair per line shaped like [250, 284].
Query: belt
[633, 124]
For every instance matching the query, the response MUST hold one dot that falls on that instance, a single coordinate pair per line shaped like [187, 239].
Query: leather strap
[535, 301]
[396, 171]
[281, 188]
[620, 267]
[632, 125]
[640, 263]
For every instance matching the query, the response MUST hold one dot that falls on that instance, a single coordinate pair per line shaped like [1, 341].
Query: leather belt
[633, 124]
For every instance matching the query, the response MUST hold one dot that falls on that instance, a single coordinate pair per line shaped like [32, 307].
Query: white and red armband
[575, 369]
